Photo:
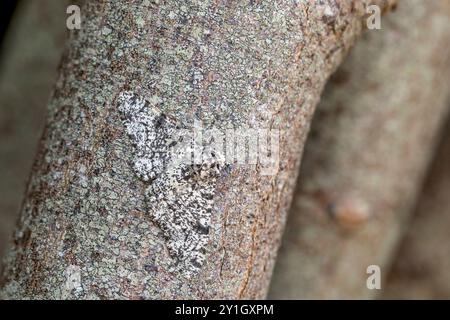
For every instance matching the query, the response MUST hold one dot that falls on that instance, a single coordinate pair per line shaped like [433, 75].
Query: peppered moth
[180, 193]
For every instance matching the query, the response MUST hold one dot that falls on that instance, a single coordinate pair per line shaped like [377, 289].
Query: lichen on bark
[30, 54]
[370, 143]
[228, 63]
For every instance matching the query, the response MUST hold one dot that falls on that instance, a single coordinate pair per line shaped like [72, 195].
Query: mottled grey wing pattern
[180, 194]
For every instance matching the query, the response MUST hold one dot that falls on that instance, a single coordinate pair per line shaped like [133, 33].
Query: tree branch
[98, 221]
[369, 146]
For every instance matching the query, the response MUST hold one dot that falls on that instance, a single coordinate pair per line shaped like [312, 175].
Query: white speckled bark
[226, 63]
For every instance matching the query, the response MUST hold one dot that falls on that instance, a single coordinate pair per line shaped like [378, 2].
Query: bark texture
[369, 146]
[86, 229]
[420, 269]
[31, 51]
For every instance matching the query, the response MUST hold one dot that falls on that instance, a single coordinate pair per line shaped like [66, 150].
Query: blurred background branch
[372, 138]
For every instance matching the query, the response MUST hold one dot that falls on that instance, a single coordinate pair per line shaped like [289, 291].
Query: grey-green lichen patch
[228, 63]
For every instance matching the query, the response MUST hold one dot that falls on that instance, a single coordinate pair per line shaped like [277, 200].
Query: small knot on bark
[350, 211]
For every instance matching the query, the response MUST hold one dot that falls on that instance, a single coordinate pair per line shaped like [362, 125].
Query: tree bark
[30, 54]
[420, 269]
[90, 225]
[369, 146]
